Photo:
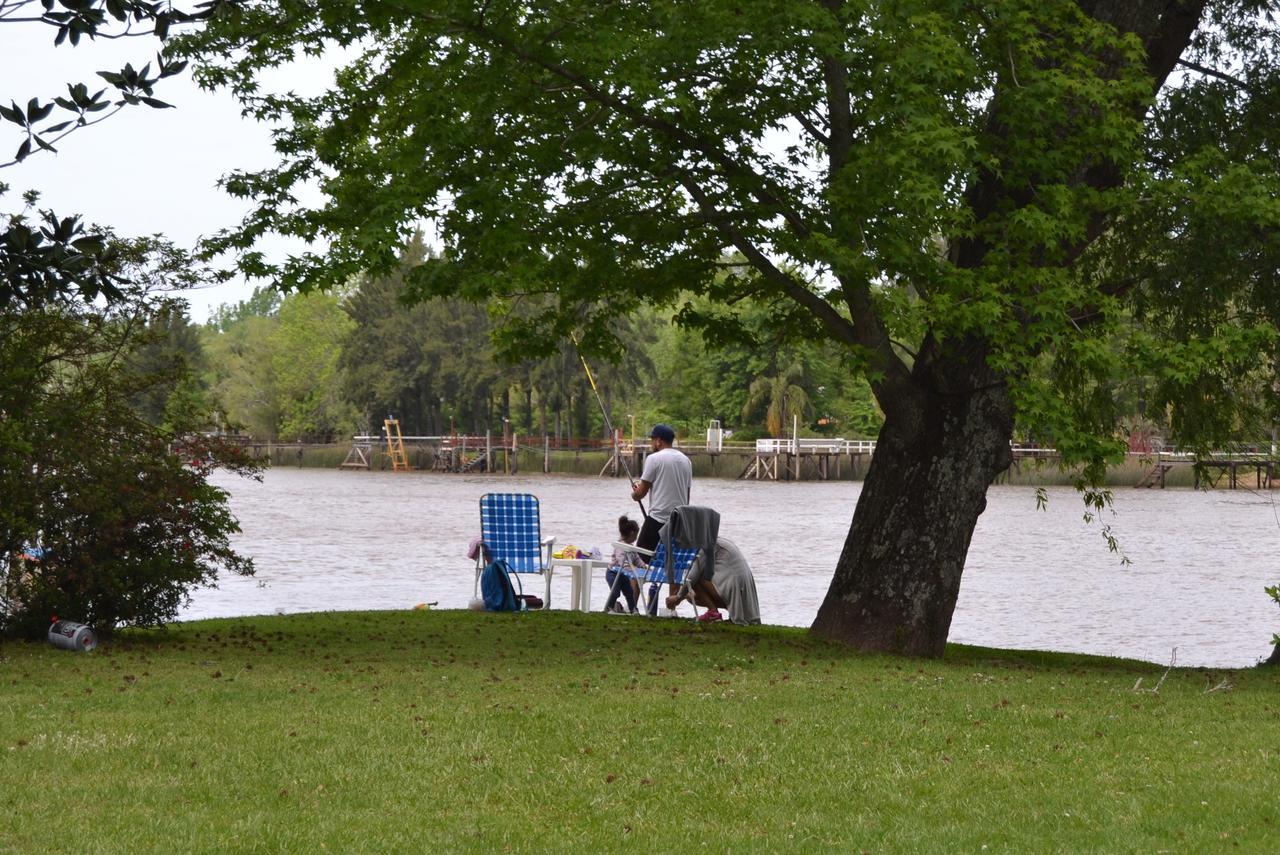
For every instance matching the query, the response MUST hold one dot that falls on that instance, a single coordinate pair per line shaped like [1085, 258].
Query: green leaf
[36, 112]
[171, 68]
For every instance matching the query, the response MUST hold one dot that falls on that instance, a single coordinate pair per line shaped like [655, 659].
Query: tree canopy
[1000, 212]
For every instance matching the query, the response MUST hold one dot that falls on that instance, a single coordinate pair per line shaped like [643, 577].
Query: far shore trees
[1001, 212]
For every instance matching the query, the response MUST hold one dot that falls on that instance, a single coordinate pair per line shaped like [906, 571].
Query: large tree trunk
[898, 577]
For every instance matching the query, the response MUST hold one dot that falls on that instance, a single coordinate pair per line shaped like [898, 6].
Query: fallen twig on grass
[1155, 690]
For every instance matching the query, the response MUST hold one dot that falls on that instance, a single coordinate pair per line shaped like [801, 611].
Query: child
[625, 564]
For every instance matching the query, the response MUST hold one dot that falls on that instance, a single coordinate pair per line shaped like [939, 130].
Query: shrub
[123, 511]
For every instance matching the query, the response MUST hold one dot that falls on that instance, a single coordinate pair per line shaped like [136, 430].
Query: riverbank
[1028, 472]
[554, 731]
[1038, 578]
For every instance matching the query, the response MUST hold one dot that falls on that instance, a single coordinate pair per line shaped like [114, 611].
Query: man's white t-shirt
[671, 475]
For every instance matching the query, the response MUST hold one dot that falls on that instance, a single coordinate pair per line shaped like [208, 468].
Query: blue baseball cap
[666, 433]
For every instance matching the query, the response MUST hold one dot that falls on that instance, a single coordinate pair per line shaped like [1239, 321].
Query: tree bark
[898, 576]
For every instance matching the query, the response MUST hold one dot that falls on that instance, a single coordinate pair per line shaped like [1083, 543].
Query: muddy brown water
[333, 540]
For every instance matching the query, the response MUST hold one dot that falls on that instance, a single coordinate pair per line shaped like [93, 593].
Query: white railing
[815, 445]
[1020, 450]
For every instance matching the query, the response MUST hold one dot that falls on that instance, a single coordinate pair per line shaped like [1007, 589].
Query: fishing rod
[604, 411]
[613, 436]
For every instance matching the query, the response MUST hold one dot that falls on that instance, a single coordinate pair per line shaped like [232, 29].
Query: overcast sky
[143, 171]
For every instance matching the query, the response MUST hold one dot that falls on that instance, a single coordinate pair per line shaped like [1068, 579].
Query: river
[1045, 580]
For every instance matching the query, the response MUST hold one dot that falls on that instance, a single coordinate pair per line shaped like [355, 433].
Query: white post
[795, 442]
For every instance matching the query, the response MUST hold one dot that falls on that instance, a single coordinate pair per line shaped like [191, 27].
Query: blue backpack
[496, 589]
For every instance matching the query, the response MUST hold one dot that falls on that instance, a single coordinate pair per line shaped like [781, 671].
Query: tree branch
[864, 331]
[839, 116]
[1213, 72]
[68, 131]
[820, 308]
[808, 125]
[870, 329]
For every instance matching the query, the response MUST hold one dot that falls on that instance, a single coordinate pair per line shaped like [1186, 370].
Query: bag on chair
[496, 589]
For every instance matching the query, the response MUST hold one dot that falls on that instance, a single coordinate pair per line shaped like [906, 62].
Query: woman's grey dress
[734, 581]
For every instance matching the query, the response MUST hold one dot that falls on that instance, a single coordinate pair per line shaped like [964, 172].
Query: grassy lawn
[536, 732]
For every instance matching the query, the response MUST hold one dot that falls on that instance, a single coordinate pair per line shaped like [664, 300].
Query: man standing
[666, 479]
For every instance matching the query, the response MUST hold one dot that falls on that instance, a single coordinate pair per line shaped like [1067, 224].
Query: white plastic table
[580, 583]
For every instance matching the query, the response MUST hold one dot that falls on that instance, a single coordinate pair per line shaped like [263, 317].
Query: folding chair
[511, 530]
[631, 573]
[656, 576]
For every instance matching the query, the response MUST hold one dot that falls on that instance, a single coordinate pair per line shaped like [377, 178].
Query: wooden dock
[461, 452]
[1232, 471]
[453, 453]
[1210, 473]
[809, 458]
[766, 459]
[790, 459]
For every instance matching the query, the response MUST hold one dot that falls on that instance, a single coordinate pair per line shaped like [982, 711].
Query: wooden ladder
[1155, 476]
[395, 446]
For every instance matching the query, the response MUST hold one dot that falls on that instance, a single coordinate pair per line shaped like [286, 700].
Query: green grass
[551, 731]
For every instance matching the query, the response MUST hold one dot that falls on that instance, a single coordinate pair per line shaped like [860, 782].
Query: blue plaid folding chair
[656, 575]
[511, 530]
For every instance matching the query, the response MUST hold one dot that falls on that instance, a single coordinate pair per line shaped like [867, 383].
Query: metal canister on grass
[72, 636]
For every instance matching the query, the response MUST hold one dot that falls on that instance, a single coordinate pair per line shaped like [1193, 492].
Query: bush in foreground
[105, 517]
